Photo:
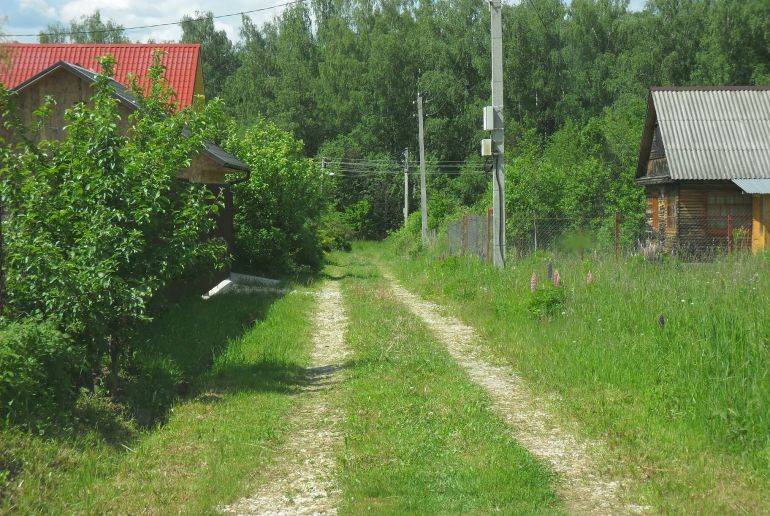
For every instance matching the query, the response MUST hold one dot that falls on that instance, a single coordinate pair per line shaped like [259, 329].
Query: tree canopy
[88, 29]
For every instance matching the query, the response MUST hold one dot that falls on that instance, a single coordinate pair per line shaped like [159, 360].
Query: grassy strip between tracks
[420, 437]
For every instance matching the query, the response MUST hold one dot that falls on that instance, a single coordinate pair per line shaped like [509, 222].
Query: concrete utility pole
[498, 187]
[406, 185]
[423, 193]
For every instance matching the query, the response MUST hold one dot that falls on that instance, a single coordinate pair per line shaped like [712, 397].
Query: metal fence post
[730, 233]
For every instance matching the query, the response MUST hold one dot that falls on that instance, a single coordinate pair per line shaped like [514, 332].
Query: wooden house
[704, 162]
[32, 75]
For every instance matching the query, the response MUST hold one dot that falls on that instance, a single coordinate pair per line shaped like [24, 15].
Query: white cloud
[38, 6]
[132, 13]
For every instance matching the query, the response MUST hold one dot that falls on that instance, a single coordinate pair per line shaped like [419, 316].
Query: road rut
[585, 490]
[302, 480]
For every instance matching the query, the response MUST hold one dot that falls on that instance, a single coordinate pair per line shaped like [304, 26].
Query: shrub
[276, 208]
[39, 367]
[98, 223]
[546, 301]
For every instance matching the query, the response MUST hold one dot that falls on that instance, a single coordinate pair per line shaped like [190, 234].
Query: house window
[722, 204]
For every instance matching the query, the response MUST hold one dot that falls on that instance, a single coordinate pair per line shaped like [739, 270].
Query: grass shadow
[175, 351]
[262, 377]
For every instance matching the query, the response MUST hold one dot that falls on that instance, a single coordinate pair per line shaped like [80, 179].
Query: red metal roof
[180, 60]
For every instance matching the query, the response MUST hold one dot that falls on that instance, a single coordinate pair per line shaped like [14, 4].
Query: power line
[124, 29]
[387, 161]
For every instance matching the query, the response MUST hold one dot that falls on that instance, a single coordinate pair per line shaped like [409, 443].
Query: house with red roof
[182, 62]
[67, 71]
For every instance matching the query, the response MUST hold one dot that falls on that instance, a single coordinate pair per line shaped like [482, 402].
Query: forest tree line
[343, 76]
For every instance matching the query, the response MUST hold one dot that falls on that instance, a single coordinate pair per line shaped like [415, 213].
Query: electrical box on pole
[486, 147]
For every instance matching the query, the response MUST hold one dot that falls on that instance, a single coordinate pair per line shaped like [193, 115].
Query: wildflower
[662, 321]
[682, 300]
[533, 282]
[556, 278]
[550, 270]
[589, 278]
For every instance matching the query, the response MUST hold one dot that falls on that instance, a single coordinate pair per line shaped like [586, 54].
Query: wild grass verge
[669, 362]
[420, 437]
[211, 447]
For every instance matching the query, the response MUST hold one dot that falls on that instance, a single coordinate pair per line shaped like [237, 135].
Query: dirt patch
[585, 489]
[301, 481]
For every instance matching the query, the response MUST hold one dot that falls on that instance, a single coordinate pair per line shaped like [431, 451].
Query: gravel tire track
[584, 489]
[301, 481]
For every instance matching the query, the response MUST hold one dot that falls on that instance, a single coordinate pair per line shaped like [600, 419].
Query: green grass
[420, 438]
[686, 407]
[212, 447]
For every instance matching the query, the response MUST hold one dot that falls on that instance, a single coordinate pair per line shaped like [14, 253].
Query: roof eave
[654, 180]
[646, 141]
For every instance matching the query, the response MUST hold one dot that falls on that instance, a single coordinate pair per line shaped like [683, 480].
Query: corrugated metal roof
[715, 133]
[181, 62]
[753, 186]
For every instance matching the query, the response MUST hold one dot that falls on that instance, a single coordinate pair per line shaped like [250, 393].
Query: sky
[31, 16]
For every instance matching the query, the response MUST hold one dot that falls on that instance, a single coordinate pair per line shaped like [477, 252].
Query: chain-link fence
[701, 238]
[528, 233]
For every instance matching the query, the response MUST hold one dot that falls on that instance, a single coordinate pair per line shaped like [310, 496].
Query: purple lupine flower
[589, 278]
[533, 282]
[556, 278]
[550, 270]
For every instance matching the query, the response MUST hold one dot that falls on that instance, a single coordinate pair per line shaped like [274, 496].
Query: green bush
[97, 223]
[546, 301]
[276, 209]
[334, 232]
[39, 368]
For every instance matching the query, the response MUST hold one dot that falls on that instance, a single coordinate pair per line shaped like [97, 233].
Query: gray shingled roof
[124, 95]
[714, 133]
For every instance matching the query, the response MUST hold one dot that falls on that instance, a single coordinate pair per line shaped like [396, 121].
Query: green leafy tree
[277, 209]
[218, 57]
[247, 91]
[293, 86]
[96, 224]
[88, 29]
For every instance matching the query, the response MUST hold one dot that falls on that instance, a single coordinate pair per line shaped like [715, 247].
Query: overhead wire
[137, 27]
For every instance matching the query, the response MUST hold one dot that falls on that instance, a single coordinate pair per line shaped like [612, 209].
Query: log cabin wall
[662, 214]
[68, 90]
[703, 210]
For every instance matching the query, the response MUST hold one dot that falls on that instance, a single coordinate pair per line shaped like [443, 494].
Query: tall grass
[669, 360]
